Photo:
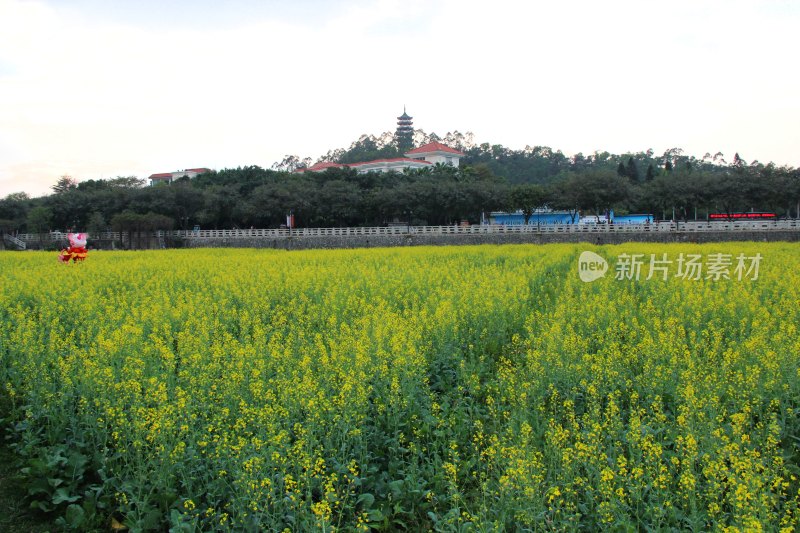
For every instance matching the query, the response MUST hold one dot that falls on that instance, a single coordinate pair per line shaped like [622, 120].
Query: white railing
[656, 227]
[15, 241]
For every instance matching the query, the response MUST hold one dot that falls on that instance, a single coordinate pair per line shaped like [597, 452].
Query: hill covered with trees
[490, 178]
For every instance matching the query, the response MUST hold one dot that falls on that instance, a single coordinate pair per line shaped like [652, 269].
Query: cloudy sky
[102, 88]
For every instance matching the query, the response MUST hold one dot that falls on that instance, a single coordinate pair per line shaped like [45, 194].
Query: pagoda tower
[405, 132]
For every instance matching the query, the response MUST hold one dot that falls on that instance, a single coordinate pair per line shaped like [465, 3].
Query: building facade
[422, 157]
[169, 177]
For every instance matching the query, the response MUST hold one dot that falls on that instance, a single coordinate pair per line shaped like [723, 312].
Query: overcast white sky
[103, 88]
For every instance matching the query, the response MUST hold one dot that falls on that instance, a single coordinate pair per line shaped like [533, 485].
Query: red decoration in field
[76, 250]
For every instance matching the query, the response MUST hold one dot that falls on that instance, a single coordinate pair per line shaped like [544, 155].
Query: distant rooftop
[433, 147]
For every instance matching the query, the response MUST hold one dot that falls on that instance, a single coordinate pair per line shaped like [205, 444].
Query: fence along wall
[690, 226]
[405, 235]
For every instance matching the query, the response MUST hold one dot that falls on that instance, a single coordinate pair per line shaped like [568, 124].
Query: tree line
[490, 178]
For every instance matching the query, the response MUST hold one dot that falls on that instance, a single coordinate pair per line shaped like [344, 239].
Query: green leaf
[366, 500]
[178, 523]
[56, 461]
[166, 498]
[39, 486]
[37, 467]
[41, 505]
[78, 462]
[151, 520]
[75, 515]
[61, 495]
[396, 487]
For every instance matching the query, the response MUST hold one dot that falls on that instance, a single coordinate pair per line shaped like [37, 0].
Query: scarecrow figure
[76, 250]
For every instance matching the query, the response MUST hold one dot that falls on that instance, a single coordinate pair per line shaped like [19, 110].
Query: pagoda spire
[405, 132]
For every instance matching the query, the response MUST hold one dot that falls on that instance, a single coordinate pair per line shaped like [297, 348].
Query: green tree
[127, 182]
[269, 203]
[39, 219]
[96, 225]
[337, 203]
[598, 190]
[528, 197]
[221, 206]
[290, 163]
[126, 222]
[6, 226]
[64, 184]
[369, 148]
[632, 171]
[17, 197]
[14, 210]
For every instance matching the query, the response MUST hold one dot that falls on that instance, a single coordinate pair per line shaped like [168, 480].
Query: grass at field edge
[15, 516]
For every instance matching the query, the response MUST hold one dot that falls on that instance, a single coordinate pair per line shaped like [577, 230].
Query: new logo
[591, 266]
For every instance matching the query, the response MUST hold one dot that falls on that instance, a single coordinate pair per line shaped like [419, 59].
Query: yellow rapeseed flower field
[454, 388]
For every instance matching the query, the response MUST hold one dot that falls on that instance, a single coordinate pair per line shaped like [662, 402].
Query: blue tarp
[518, 219]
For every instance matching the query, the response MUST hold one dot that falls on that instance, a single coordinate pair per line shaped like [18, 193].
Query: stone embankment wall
[372, 241]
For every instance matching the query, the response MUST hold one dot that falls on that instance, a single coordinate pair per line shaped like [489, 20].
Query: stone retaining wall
[372, 241]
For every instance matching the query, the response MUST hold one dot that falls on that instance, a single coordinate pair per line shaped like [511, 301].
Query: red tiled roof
[434, 147]
[162, 175]
[198, 170]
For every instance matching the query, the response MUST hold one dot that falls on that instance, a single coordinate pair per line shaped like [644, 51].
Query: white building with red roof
[436, 152]
[423, 157]
[169, 177]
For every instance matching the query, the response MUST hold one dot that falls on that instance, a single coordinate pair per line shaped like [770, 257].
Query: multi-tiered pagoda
[405, 132]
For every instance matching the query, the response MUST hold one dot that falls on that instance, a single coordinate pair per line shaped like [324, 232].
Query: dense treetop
[490, 178]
